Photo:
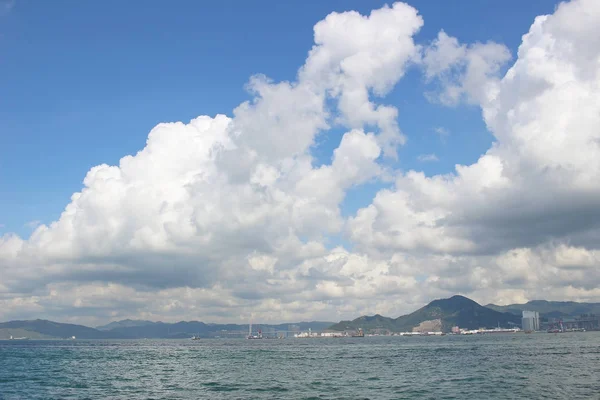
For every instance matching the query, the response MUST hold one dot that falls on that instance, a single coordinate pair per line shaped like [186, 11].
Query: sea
[497, 366]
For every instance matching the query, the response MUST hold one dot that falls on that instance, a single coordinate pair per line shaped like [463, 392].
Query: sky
[287, 161]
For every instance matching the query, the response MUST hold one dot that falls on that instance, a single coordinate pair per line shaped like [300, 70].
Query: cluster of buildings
[458, 331]
[455, 331]
[330, 334]
[585, 322]
[531, 322]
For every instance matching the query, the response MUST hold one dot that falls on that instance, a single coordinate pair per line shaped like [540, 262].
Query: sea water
[500, 366]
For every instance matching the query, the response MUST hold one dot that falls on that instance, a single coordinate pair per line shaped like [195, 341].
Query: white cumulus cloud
[229, 216]
[535, 189]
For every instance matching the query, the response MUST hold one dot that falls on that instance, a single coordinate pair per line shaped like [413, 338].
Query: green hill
[367, 323]
[440, 314]
[126, 323]
[6, 333]
[44, 329]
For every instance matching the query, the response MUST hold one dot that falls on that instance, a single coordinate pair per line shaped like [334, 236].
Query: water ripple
[491, 367]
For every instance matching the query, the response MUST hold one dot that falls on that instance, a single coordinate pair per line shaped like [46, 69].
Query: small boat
[195, 337]
[19, 338]
[358, 333]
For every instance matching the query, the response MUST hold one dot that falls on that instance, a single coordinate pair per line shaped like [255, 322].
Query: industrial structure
[530, 321]
[585, 322]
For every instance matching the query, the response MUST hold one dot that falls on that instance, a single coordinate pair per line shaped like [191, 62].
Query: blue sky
[82, 83]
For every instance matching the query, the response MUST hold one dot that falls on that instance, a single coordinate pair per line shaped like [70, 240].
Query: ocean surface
[500, 366]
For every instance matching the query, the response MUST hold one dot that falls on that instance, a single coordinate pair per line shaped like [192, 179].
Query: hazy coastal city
[457, 315]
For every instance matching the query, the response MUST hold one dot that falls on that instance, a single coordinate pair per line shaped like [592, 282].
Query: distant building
[455, 329]
[587, 322]
[530, 321]
[434, 325]
[329, 333]
[292, 330]
[380, 332]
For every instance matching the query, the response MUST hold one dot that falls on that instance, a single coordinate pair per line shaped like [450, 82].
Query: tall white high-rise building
[531, 321]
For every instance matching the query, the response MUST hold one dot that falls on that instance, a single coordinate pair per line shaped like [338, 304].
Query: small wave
[272, 389]
[219, 387]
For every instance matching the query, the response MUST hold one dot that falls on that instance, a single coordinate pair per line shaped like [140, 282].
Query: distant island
[440, 315]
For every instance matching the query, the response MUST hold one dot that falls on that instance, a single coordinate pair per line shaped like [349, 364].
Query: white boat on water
[18, 338]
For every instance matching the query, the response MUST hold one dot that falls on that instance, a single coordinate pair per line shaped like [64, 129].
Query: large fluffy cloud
[228, 217]
[539, 180]
[537, 187]
[230, 204]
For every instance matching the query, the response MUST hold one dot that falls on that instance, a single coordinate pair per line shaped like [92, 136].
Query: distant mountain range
[550, 309]
[42, 329]
[463, 312]
[126, 323]
[439, 315]
[138, 329]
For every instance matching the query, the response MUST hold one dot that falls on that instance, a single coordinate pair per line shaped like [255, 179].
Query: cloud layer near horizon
[227, 218]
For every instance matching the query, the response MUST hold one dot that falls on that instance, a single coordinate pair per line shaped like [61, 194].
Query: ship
[251, 336]
[19, 338]
[257, 336]
[358, 333]
[559, 329]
